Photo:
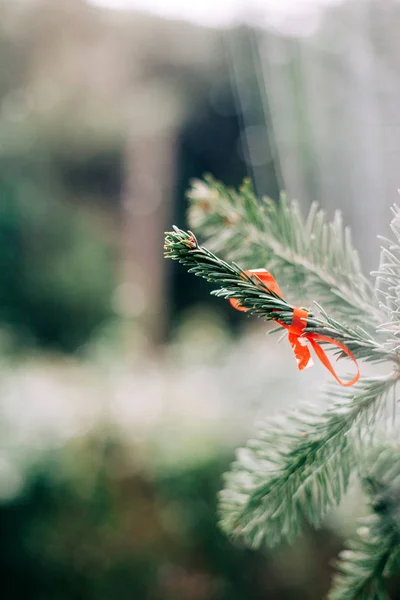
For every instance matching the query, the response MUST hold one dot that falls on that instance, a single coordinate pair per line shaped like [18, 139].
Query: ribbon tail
[301, 351]
[325, 360]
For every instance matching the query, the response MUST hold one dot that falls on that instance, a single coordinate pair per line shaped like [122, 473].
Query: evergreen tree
[298, 467]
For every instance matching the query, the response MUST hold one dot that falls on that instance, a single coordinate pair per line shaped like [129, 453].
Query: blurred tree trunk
[148, 195]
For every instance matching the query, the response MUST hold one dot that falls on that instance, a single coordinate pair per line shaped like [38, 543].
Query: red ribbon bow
[296, 335]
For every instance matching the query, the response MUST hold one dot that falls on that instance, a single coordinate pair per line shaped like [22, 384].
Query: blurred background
[125, 387]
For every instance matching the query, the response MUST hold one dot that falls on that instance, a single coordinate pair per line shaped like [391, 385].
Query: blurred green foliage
[140, 535]
[56, 270]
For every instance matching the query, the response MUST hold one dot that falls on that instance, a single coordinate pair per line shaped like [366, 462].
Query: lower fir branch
[362, 565]
[296, 472]
[374, 555]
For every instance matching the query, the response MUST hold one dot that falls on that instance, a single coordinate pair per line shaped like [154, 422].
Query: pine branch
[375, 553]
[297, 471]
[312, 256]
[261, 301]
[363, 563]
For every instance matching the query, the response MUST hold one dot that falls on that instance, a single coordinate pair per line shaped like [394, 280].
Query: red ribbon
[296, 335]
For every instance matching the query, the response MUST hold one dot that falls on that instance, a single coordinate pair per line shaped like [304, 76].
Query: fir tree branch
[312, 256]
[297, 471]
[362, 564]
[261, 301]
[375, 553]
